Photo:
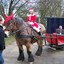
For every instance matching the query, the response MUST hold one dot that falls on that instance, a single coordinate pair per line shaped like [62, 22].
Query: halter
[24, 28]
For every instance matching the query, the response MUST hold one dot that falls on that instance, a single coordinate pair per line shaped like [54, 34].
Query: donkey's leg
[30, 56]
[21, 55]
[20, 47]
[39, 50]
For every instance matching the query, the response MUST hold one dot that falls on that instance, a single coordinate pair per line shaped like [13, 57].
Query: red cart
[54, 39]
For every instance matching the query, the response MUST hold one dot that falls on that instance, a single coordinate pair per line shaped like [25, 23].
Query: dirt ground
[49, 56]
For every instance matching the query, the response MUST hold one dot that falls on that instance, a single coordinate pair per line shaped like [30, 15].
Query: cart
[54, 39]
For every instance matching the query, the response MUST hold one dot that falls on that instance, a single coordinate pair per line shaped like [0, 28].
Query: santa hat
[31, 9]
[8, 18]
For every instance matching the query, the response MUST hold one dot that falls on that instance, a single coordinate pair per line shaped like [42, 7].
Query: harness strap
[24, 36]
[32, 29]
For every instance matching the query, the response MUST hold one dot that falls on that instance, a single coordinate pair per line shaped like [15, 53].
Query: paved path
[48, 56]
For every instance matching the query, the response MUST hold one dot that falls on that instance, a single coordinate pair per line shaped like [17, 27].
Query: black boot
[39, 33]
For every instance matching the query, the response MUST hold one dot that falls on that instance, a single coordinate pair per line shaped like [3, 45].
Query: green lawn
[9, 40]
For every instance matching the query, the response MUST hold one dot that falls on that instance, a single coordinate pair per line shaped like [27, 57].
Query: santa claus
[31, 20]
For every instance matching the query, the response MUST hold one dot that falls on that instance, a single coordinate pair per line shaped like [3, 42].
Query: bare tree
[1, 9]
[12, 5]
[50, 8]
[15, 4]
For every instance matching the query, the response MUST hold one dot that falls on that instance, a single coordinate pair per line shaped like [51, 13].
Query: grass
[9, 40]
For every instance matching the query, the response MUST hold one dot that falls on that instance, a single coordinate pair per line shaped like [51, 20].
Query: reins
[25, 28]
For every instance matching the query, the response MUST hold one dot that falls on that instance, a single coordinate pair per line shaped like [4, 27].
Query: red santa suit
[31, 19]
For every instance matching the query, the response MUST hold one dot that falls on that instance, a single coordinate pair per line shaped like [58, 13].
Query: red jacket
[32, 18]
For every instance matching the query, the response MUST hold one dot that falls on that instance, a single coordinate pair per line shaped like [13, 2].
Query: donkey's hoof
[20, 58]
[31, 59]
[39, 52]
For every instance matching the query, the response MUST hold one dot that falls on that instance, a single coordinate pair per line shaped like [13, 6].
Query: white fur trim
[30, 23]
[31, 10]
[37, 29]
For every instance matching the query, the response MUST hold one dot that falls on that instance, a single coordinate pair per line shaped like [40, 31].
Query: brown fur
[25, 29]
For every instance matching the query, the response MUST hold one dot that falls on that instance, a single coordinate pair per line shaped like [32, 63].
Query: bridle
[11, 24]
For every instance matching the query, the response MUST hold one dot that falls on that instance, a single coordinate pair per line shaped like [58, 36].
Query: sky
[32, 2]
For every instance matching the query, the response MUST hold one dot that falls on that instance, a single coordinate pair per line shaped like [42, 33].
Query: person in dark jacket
[2, 41]
[60, 30]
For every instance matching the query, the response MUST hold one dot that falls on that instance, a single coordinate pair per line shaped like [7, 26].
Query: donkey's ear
[12, 15]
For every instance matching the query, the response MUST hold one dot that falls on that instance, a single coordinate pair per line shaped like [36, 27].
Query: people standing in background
[60, 30]
[2, 41]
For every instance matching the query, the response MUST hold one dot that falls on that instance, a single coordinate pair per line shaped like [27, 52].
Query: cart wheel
[60, 47]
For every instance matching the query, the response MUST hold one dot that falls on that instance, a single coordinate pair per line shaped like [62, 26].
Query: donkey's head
[10, 23]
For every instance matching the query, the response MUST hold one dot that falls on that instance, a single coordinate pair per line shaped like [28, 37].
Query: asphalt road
[49, 56]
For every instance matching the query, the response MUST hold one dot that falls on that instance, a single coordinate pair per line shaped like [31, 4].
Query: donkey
[24, 35]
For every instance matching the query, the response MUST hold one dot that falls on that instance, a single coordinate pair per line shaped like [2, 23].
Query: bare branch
[10, 7]
[21, 6]
[15, 4]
